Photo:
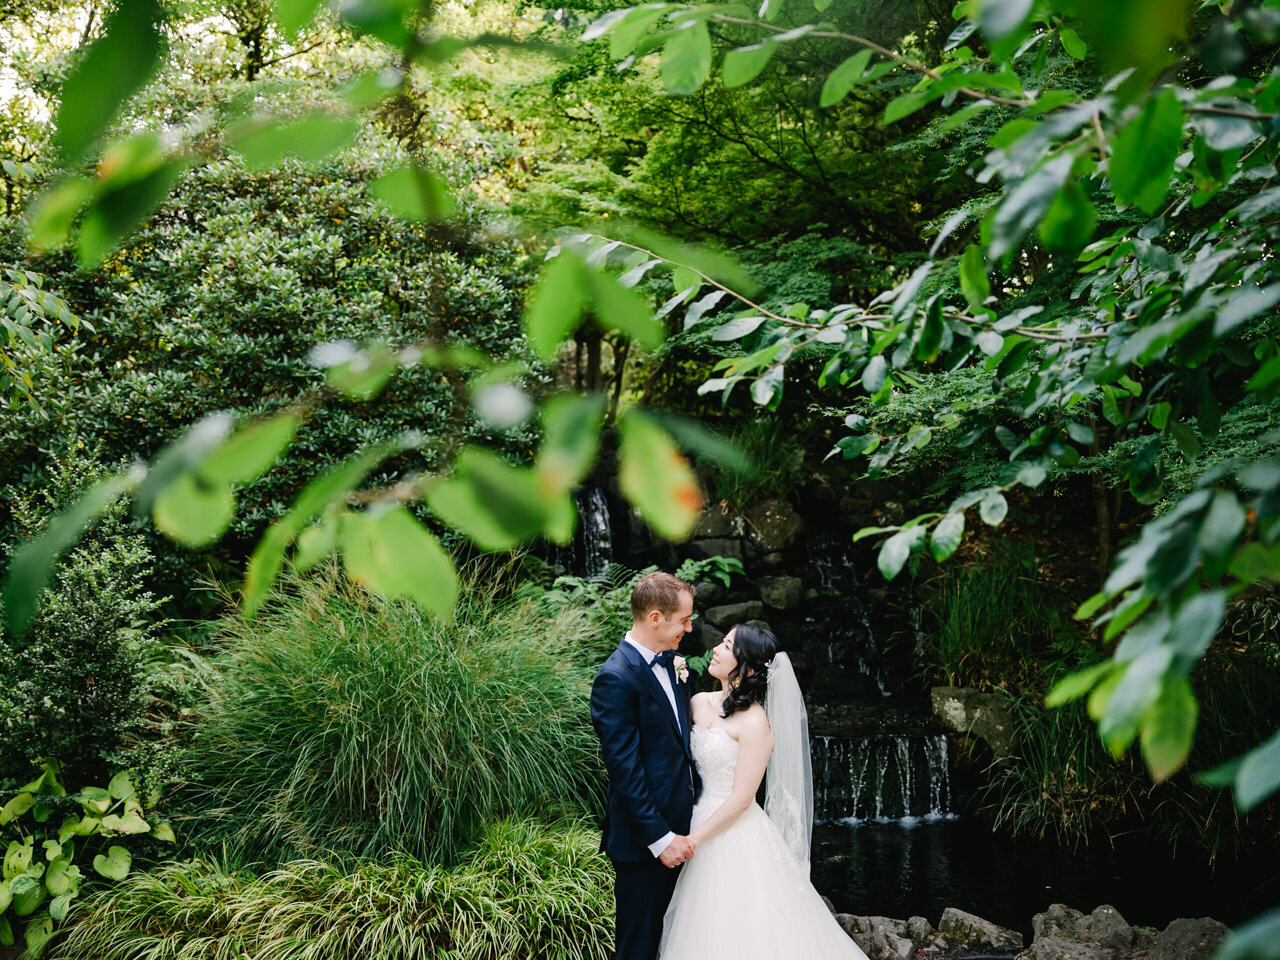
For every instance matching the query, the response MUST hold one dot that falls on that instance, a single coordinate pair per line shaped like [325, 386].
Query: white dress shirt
[664, 678]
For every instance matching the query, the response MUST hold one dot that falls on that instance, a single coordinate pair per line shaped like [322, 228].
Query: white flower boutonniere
[682, 668]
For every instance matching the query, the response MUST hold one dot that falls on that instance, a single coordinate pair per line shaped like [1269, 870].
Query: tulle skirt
[743, 897]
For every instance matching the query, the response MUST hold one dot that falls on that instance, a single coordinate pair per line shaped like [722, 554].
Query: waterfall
[885, 778]
[593, 545]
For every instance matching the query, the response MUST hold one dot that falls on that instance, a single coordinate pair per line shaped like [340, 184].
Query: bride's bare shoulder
[752, 722]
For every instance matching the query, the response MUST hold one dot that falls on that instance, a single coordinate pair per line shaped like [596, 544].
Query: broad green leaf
[618, 308]
[182, 456]
[6, 897]
[95, 800]
[414, 193]
[494, 503]
[61, 876]
[1143, 152]
[556, 303]
[192, 511]
[60, 906]
[251, 451]
[570, 438]
[1000, 18]
[28, 894]
[293, 15]
[38, 933]
[947, 536]
[310, 139]
[744, 64]
[384, 19]
[770, 9]
[1069, 222]
[116, 66]
[1077, 683]
[1138, 686]
[129, 822]
[55, 210]
[697, 438]
[33, 561]
[392, 554]
[905, 104]
[135, 177]
[363, 376]
[973, 277]
[875, 374]
[6, 932]
[930, 343]
[1168, 728]
[635, 25]
[1222, 524]
[115, 864]
[1072, 43]
[315, 543]
[268, 555]
[655, 476]
[1024, 205]
[16, 807]
[122, 788]
[1259, 939]
[844, 78]
[893, 554]
[736, 329]
[164, 831]
[993, 508]
[1259, 775]
[686, 59]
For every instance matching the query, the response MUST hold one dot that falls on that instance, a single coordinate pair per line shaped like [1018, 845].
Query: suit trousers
[641, 893]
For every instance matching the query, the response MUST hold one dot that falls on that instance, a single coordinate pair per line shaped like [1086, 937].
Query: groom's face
[671, 628]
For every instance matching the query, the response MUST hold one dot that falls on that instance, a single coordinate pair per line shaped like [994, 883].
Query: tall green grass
[342, 726]
[1000, 622]
[527, 891]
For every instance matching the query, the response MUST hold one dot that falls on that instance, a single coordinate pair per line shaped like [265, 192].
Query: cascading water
[595, 534]
[885, 778]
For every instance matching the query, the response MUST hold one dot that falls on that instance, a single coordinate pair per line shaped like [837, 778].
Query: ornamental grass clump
[343, 726]
[527, 890]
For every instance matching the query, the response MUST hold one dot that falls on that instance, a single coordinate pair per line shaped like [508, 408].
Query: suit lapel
[650, 682]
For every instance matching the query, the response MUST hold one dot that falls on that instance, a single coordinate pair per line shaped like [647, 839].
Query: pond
[922, 866]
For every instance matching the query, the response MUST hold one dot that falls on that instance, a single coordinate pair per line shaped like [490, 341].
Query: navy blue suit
[652, 787]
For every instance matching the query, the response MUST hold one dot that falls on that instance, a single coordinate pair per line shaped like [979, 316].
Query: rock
[710, 636]
[732, 613]
[919, 929]
[881, 938]
[1188, 940]
[984, 715]
[727, 547]
[774, 525]
[773, 559]
[978, 934]
[1058, 920]
[707, 592]
[714, 522]
[831, 907]
[1060, 948]
[762, 624]
[1107, 927]
[781, 593]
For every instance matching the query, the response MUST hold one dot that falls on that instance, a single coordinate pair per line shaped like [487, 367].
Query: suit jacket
[652, 778]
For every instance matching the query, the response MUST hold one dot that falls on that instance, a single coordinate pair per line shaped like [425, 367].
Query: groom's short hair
[657, 591]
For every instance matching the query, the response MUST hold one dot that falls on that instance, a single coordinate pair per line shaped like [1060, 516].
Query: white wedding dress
[743, 895]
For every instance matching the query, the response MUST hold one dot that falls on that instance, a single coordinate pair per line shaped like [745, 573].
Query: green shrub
[603, 606]
[46, 828]
[526, 891]
[341, 725]
[76, 686]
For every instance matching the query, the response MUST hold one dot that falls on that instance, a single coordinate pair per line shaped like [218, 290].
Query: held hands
[678, 851]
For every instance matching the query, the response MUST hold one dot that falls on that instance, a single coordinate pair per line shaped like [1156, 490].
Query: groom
[640, 711]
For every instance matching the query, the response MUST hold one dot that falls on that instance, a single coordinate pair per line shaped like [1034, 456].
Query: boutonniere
[682, 668]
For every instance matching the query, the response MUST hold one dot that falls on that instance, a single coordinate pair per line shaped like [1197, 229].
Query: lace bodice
[716, 754]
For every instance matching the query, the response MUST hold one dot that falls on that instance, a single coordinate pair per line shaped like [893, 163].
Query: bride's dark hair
[753, 648]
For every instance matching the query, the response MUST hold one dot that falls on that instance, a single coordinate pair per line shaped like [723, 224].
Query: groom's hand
[678, 851]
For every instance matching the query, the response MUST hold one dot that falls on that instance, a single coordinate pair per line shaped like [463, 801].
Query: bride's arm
[755, 743]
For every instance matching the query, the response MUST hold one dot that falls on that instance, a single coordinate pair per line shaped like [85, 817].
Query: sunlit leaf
[115, 67]
[414, 193]
[1168, 728]
[251, 451]
[619, 308]
[193, 511]
[844, 78]
[310, 139]
[570, 438]
[655, 476]
[973, 277]
[686, 59]
[556, 303]
[392, 554]
[744, 64]
[496, 504]
[947, 536]
[1143, 153]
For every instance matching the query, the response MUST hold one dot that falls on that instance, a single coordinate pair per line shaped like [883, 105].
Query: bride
[750, 869]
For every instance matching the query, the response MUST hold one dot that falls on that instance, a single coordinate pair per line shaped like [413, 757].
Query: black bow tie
[665, 658]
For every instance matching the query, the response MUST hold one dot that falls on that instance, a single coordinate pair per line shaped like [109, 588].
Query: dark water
[892, 870]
